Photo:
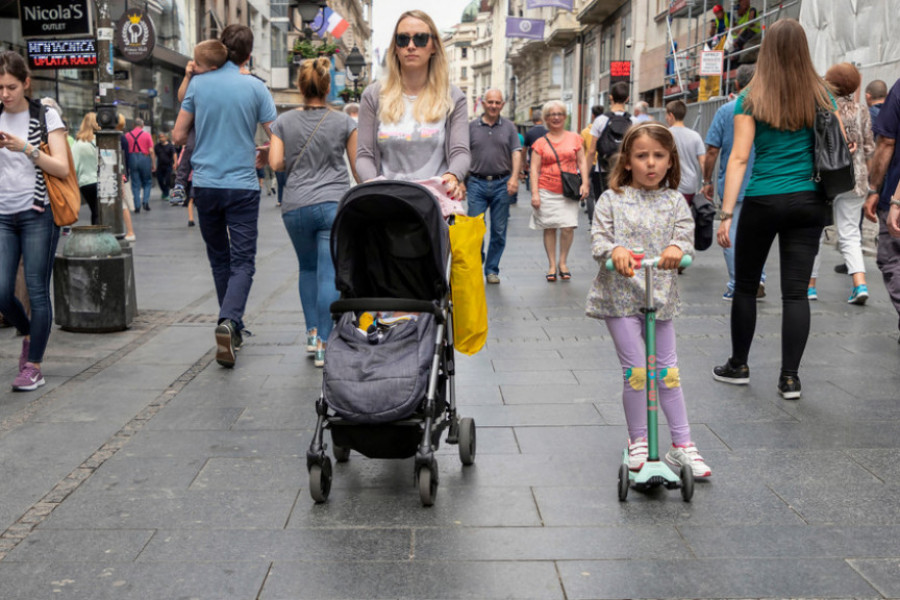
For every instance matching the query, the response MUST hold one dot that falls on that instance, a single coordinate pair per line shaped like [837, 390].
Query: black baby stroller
[388, 387]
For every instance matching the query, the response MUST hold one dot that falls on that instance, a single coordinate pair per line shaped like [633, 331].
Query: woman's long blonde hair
[786, 90]
[88, 127]
[433, 103]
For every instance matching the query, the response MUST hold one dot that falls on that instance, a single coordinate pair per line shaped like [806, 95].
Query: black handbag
[571, 182]
[833, 162]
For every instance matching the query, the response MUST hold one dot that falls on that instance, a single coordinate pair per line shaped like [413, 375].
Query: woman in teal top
[775, 115]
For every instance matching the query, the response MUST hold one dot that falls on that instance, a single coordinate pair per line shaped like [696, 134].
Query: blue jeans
[483, 195]
[33, 236]
[228, 224]
[309, 228]
[729, 252]
[141, 179]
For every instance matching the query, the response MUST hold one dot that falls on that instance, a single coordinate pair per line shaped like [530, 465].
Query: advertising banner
[135, 35]
[43, 18]
[532, 29]
[62, 54]
[619, 70]
[566, 4]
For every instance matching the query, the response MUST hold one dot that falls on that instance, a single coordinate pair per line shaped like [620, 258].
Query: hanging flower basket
[304, 49]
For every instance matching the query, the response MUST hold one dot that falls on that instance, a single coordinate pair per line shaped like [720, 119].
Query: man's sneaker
[688, 454]
[493, 278]
[811, 294]
[23, 357]
[729, 373]
[789, 387]
[319, 358]
[859, 295]
[761, 290]
[728, 296]
[228, 340]
[178, 196]
[637, 454]
[29, 378]
[311, 342]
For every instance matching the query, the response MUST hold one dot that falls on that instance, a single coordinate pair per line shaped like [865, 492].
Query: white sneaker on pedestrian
[688, 454]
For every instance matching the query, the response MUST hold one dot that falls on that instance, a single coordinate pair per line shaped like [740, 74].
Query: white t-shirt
[690, 148]
[412, 151]
[17, 172]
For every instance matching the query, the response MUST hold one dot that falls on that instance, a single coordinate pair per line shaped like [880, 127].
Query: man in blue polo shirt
[494, 174]
[225, 108]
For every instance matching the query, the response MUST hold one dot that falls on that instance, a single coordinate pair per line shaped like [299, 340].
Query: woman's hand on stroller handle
[625, 261]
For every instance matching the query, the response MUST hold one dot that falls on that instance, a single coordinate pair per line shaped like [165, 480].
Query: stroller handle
[402, 304]
[648, 263]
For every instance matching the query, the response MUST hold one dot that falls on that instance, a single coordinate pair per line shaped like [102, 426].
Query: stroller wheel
[428, 484]
[341, 454]
[467, 441]
[320, 481]
[624, 482]
[687, 483]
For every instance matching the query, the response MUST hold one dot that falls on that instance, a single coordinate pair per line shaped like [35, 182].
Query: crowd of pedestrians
[413, 126]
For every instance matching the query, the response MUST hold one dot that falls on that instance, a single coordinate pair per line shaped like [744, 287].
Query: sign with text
[711, 63]
[135, 35]
[619, 70]
[55, 17]
[63, 54]
[532, 29]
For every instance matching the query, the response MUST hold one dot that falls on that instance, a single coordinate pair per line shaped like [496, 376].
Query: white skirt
[556, 212]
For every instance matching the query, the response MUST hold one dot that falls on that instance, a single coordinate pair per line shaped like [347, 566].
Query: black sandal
[565, 275]
[551, 277]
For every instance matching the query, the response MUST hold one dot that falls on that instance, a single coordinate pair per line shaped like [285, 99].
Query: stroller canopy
[389, 240]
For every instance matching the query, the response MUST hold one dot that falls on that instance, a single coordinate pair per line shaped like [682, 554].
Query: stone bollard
[93, 282]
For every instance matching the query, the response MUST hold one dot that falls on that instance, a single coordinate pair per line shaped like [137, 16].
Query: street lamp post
[355, 63]
[309, 10]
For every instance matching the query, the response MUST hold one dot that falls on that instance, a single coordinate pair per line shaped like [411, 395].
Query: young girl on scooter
[643, 209]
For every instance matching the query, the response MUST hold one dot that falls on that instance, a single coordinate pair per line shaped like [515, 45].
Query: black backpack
[611, 138]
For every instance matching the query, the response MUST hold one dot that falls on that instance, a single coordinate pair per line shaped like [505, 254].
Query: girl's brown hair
[314, 79]
[786, 90]
[621, 177]
[844, 77]
[12, 63]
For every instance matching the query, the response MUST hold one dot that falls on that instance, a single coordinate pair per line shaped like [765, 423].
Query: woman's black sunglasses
[419, 39]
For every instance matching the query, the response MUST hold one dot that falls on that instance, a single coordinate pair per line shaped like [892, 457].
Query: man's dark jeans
[229, 226]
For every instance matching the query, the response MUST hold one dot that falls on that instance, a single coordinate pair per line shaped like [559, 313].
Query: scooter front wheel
[687, 483]
[624, 482]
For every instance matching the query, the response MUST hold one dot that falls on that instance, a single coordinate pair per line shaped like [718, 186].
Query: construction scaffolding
[687, 67]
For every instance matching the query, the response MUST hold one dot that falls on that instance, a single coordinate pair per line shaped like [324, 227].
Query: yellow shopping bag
[470, 323]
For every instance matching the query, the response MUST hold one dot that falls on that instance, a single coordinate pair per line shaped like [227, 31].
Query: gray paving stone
[548, 394]
[199, 444]
[883, 574]
[203, 417]
[534, 414]
[117, 581]
[548, 543]
[269, 473]
[835, 502]
[334, 545]
[791, 541]
[143, 476]
[415, 579]
[739, 578]
[83, 546]
[164, 509]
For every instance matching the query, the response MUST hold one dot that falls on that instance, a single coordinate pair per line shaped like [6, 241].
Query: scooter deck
[654, 473]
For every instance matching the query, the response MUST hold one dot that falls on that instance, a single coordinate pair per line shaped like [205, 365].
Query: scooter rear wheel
[687, 483]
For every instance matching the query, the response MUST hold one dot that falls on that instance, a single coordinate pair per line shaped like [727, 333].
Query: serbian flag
[329, 21]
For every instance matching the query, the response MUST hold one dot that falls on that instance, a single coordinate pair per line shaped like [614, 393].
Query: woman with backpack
[27, 229]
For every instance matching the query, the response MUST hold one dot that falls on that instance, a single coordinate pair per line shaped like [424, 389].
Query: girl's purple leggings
[628, 335]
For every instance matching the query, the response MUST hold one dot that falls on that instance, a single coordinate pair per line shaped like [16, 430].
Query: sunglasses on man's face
[419, 39]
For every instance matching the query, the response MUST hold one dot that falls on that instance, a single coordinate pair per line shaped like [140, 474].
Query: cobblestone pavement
[143, 470]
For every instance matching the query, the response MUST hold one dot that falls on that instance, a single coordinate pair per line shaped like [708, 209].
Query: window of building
[556, 70]
[463, 73]
[465, 52]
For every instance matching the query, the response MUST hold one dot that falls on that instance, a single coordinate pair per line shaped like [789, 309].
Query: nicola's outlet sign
[42, 18]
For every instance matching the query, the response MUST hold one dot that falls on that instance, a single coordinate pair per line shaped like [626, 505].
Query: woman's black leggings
[89, 193]
[797, 219]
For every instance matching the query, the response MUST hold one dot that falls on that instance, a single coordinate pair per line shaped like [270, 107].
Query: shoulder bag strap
[303, 149]
[558, 164]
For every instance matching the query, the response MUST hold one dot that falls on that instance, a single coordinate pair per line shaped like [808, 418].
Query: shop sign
[135, 35]
[63, 54]
[55, 17]
[619, 70]
[711, 62]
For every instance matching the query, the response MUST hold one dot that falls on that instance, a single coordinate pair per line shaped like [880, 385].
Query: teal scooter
[655, 472]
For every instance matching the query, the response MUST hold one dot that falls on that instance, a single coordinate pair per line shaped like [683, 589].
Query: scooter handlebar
[643, 262]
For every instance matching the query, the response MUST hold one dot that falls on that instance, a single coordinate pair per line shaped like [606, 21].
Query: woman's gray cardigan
[456, 140]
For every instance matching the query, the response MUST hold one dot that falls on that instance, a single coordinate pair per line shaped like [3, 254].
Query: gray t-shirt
[690, 147]
[321, 175]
